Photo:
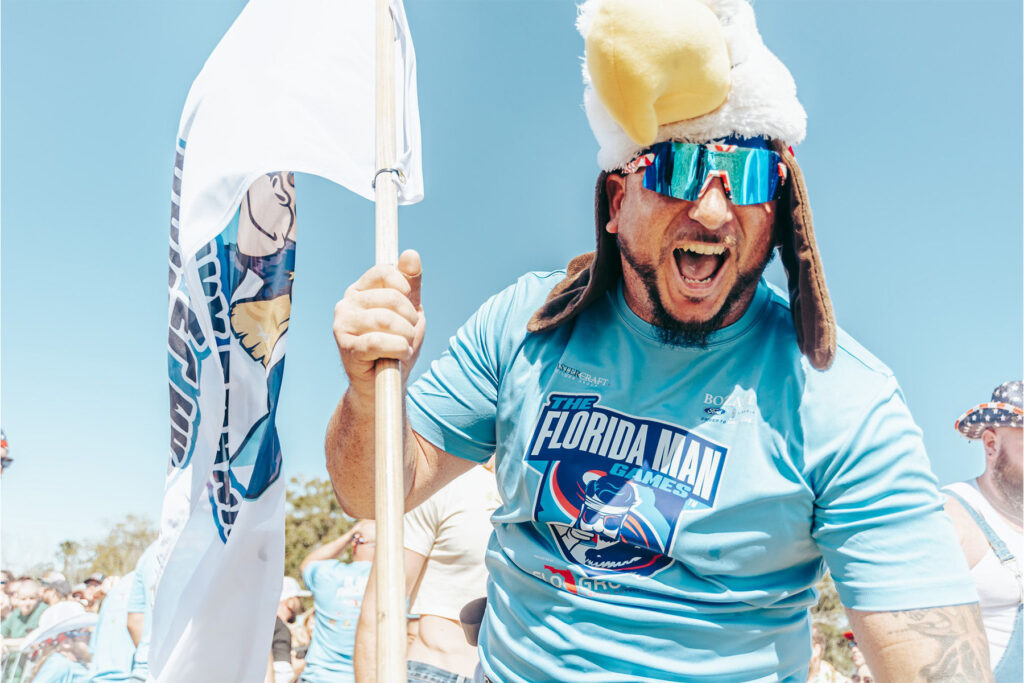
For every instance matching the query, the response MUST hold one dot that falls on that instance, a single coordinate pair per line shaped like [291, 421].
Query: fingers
[409, 265]
[380, 316]
[375, 302]
[405, 278]
[382, 277]
[373, 346]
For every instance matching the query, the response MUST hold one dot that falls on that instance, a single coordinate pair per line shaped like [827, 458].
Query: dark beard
[674, 332]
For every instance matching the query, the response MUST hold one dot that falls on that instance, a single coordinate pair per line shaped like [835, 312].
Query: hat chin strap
[590, 275]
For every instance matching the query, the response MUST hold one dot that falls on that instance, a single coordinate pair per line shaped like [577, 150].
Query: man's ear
[988, 439]
[615, 188]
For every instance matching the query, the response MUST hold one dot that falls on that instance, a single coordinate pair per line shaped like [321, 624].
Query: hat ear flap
[809, 302]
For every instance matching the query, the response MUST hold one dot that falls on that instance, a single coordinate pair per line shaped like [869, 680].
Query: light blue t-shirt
[337, 597]
[666, 510]
[140, 600]
[111, 646]
[59, 669]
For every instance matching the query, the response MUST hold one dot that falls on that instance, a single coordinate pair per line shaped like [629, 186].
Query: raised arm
[936, 645]
[331, 549]
[380, 317]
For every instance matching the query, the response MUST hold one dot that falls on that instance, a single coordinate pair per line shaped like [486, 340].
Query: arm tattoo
[959, 636]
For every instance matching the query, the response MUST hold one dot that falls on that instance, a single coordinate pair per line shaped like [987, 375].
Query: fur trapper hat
[691, 71]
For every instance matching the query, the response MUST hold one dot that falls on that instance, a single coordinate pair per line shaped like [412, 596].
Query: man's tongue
[696, 266]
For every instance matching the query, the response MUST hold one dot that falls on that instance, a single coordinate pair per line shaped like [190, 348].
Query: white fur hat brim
[761, 102]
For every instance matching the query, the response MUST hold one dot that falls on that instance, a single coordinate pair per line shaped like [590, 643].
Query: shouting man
[681, 449]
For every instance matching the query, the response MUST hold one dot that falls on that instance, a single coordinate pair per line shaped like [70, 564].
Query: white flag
[290, 87]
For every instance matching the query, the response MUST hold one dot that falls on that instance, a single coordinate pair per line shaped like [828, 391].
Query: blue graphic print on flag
[290, 86]
[614, 485]
[246, 281]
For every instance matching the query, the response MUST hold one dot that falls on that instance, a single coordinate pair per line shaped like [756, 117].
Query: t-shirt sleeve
[453, 404]
[137, 594]
[420, 526]
[313, 574]
[879, 521]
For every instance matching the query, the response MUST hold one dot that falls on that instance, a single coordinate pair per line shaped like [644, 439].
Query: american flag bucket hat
[1006, 409]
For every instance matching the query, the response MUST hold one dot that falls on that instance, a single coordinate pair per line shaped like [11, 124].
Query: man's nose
[713, 208]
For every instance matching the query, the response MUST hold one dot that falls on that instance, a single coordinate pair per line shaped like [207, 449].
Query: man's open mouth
[700, 262]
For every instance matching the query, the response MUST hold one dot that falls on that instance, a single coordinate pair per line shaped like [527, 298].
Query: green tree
[312, 517]
[829, 617]
[119, 551]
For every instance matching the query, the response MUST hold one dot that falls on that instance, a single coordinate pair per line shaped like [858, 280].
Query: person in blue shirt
[62, 659]
[681, 448]
[111, 645]
[139, 609]
[338, 589]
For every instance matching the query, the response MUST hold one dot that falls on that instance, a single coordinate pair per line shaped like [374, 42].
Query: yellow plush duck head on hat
[692, 71]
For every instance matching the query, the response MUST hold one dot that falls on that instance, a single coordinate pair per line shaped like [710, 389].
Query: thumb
[409, 265]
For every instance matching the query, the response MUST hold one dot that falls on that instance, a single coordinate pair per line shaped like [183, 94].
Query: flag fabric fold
[290, 87]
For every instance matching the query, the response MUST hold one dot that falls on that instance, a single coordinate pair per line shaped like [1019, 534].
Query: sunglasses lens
[751, 176]
[675, 170]
[683, 171]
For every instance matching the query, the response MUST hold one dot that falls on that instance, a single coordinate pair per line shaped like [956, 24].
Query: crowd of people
[26, 599]
[97, 630]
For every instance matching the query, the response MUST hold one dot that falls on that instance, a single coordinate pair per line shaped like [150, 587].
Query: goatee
[674, 332]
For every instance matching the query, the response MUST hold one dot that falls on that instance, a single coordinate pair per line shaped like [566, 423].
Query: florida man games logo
[614, 485]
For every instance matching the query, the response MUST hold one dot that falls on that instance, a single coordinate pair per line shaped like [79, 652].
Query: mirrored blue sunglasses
[750, 175]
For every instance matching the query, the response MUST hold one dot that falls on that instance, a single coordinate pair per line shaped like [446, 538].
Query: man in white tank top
[986, 514]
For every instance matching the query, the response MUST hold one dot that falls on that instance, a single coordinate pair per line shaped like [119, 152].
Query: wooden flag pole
[388, 459]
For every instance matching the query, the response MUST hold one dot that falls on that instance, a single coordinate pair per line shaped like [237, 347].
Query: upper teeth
[704, 248]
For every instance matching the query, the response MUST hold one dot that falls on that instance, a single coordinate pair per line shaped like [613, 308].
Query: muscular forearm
[380, 317]
[940, 645]
[350, 454]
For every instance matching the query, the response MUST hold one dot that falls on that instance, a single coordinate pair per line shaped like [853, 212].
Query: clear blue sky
[913, 162]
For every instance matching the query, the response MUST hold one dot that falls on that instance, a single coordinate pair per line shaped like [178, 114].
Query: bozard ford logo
[736, 407]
